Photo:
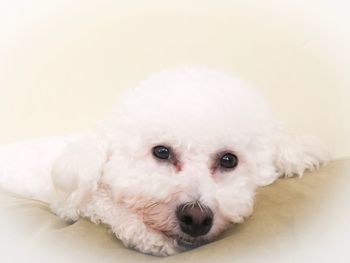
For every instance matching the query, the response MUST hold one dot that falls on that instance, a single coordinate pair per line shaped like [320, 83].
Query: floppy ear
[76, 173]
[295, 154]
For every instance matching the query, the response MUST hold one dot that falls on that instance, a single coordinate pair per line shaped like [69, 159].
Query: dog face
[188, 149]
[178, 161]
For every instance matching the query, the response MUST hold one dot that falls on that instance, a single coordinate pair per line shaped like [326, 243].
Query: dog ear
[295, 154]
[76, 173]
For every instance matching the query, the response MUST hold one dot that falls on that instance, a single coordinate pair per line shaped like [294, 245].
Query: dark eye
[161, 152]
[228, 160]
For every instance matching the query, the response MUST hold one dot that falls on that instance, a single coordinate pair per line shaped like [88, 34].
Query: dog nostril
[187, 220]
[208, 221]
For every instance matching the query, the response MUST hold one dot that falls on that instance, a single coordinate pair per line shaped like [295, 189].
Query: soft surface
[295, 220]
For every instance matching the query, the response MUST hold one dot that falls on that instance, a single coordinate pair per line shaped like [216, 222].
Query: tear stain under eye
[178, 166]
[175, 161]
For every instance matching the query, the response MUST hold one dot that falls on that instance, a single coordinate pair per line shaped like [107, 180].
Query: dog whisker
[200, 206]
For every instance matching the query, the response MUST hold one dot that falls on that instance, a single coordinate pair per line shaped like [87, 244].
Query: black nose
[194, 219]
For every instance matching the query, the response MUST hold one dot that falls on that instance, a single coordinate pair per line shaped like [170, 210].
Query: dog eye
[161, 152]
[228, 160]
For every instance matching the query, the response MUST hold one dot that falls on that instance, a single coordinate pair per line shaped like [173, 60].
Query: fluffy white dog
[174, 166]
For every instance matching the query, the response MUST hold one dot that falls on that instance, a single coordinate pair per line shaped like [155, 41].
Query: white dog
[175, 165]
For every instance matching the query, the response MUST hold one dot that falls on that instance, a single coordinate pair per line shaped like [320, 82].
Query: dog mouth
[187, 244]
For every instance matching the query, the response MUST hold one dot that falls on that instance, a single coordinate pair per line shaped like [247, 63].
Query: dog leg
[75, 175]
[127, 226]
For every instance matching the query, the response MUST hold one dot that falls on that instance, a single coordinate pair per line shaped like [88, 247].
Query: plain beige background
[64, 63]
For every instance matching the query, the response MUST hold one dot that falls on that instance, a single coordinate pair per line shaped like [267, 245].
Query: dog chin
[186, 243]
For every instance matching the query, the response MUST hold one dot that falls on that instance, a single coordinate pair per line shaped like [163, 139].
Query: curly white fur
[109, 174]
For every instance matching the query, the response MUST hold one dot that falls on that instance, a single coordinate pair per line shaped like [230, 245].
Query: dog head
[189, 149]
[186, 150]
